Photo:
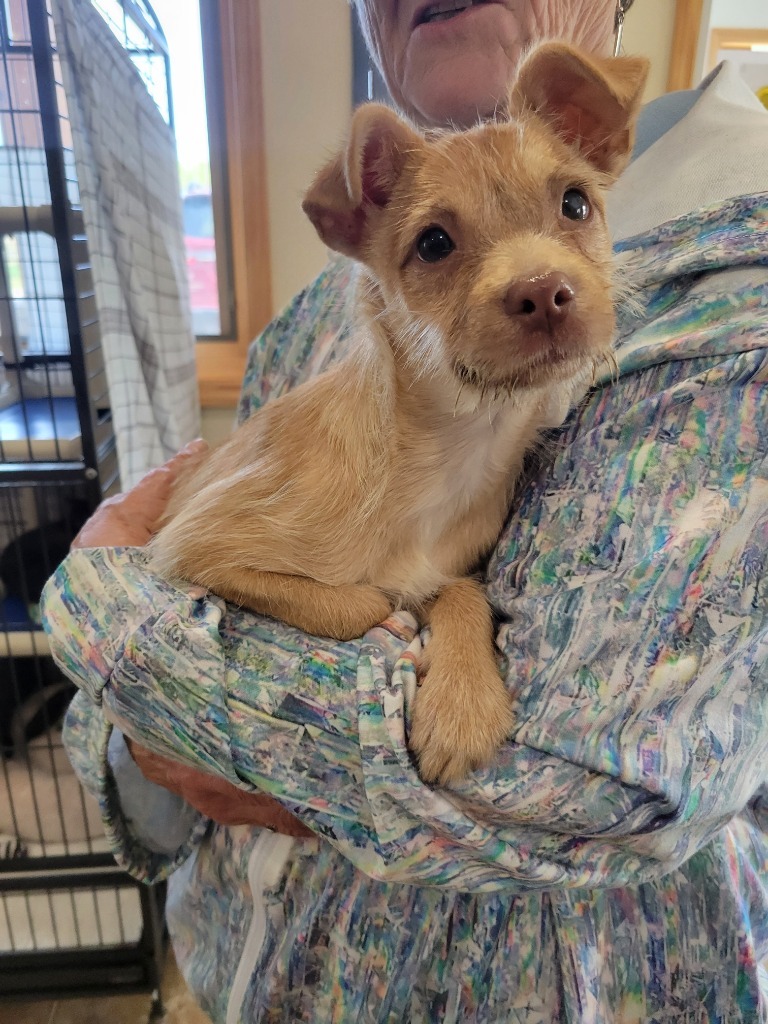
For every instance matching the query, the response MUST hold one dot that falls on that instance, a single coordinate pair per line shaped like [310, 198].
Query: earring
[618, 27]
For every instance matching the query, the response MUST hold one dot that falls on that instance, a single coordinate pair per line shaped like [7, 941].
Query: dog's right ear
[349, 191]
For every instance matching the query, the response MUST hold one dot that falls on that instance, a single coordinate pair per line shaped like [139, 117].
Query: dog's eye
[434, 245]
[575, 205]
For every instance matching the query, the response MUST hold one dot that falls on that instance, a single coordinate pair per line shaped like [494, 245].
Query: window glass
[181, 26]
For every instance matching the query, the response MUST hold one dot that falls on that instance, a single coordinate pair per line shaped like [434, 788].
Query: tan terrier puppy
[486, 298]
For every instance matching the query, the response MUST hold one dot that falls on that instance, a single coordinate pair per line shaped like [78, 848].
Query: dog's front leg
[343, 613]
[462, 713]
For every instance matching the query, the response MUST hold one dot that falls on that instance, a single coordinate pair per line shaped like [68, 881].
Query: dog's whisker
[458, 398]
[614, 366]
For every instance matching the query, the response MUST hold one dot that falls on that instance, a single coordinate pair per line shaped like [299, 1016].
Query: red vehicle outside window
[201, 262]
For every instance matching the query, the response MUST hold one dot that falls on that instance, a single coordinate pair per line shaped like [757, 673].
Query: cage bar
[71, 922]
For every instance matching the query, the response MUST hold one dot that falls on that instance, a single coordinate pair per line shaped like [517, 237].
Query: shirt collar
[717, 149]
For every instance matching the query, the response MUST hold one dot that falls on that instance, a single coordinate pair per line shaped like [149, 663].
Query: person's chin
[458, 90]
[460, 69]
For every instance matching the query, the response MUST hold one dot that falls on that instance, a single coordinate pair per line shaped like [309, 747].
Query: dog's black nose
[540, 303]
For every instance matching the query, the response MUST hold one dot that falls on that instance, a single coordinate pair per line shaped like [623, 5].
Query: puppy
[485, 302]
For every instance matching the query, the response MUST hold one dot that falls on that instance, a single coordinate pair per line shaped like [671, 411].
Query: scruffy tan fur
[381, 483]
[182, 1009]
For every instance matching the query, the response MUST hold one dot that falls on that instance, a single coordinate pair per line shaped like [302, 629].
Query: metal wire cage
[71, 923]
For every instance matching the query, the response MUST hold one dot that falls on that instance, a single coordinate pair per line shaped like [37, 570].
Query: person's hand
[130, 519]
[216, 798]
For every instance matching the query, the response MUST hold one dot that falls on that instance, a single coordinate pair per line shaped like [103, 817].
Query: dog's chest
[454, 497]
[452, 487]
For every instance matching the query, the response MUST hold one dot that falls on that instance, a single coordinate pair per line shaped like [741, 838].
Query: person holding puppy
[610, 864]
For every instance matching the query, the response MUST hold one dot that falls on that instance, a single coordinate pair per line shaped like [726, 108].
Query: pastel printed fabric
[612, 863]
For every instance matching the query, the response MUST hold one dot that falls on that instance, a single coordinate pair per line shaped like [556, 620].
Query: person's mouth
[444, 10]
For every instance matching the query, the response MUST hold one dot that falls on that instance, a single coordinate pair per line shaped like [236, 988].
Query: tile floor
[118, 1010]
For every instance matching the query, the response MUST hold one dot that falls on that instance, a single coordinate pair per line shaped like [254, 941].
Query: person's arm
[155, 792]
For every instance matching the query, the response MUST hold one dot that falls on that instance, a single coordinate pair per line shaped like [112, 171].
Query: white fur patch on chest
[467, 472]
[475, 464]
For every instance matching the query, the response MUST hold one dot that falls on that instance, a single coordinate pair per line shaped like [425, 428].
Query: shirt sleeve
[150, 830]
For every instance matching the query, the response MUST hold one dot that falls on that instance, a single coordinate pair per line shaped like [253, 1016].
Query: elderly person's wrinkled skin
[452, 69]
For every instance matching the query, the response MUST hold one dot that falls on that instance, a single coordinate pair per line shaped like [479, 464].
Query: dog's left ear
[592, 102]
[347, 194]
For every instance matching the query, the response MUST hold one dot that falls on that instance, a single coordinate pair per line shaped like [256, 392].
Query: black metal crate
[71, 922]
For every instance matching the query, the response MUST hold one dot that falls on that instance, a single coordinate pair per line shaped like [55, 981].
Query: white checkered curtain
[125, 159]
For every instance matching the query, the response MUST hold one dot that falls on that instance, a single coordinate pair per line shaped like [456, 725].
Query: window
[367, 83]
[215, 108]
[231, 44]
[206, 241]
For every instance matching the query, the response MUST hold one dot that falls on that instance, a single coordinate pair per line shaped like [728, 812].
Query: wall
[739, 14]
[307, 67]
[216, 424]
[307, 55]
[749, 14]
[648, 32]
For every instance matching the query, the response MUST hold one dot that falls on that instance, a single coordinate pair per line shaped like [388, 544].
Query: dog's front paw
[461, 717]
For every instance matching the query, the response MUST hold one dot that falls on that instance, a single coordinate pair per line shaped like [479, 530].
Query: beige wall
[216, 424]
[749, 14]
[307, 55]
[739, 13]
[648, 32]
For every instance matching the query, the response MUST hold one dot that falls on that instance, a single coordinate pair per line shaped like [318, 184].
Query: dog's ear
[361, 179]
[592, 102]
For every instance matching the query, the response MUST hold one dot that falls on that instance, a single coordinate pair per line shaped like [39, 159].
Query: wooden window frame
[685, 44]
[734, 39]
[220, 363]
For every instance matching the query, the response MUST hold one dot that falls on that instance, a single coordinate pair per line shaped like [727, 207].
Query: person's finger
[131, 518]
[151, 494]
[189, 453]
[214, 797]
[158, 482]
[119, 524]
